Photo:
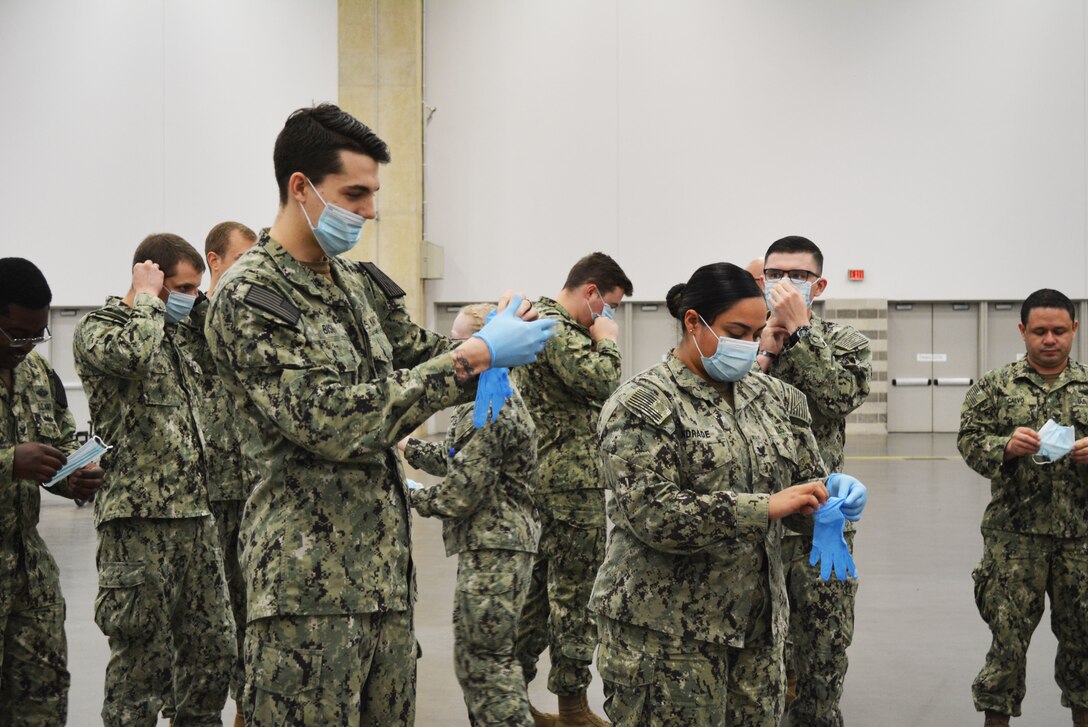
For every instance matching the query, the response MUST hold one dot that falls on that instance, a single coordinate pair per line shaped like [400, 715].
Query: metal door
[910, 367]
[1004, 344]
[955, 361]
[652, 334]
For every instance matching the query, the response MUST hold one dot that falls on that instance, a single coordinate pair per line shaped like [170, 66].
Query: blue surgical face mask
[1055, 441]
[732, 360]
[606, 312]
[178, 305]
[805, 288]
[337, 229]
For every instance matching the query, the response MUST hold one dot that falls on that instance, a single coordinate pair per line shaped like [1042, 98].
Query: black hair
[22, 283]
[711, 290]
[1047, 298]
[167, 250]
[311, 142]
[602, 271]
[796, 243]
[219, 237]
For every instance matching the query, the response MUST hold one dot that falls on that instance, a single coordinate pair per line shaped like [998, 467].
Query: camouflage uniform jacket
[565, 389]
[230, 475]
[331, 375]
[691, 479]
[486, 499]
[36, 411]
[1027, 498]
[143, 383]
[832, 367]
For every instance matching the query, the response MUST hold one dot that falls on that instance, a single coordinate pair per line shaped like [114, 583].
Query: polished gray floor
[919, 640]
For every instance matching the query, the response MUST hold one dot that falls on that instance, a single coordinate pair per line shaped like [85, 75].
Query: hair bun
[674, 300]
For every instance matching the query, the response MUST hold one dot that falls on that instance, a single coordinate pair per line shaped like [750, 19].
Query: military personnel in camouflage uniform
[564, 390]
[162, 598]
[692, 596]
[1035, 531]
[36, 434]
[230, 475]
[324, 360]
[831, 364]
[490, 522]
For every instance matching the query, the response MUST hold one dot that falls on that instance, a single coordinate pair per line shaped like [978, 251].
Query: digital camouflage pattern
[489, 518]
[332, 373]
[653, 679]
[565, 389]
[1034, 530]
[692, 553]
[486, 498]
[832, 367]
[162, 604]
[228, 521]
[33, 651]
[330, 670]
[491, 589]
[142, 377]
[1028, 498]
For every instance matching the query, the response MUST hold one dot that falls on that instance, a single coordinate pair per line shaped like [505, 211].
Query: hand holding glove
[853, 493]
[513, 341]
[829, 547]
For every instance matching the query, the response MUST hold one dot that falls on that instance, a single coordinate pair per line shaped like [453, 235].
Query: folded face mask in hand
[1055, 441]
[92, 449]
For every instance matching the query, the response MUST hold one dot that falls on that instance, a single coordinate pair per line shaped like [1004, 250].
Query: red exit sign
[856, 274]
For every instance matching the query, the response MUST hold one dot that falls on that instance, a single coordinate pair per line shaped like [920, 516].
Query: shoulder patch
[852, 341]
[59, 394]
[975, 396]
[797, 406]
[383, 281]
[650, 405]
[273, 302]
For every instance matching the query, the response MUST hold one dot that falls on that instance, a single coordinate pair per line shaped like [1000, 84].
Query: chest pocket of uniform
[709, 465]
[339, 352]
[1080, 420]
[380, 347]
[46, 423]
[777, 459]
[161, 387]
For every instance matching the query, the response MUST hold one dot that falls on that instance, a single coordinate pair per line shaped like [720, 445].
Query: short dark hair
[167, 250]
[796, 243]
[311, 142]
[22, 283]
[711, 290]
[1047, 298]
[602, 271]
[219, 236]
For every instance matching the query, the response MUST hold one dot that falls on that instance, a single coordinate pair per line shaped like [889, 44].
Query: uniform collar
[1073, 371]
[561, 311]
[301, 276]
[743, 391]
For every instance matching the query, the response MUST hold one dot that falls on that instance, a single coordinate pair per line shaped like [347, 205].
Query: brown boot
[239, 720]
[1080, 717]
[996, 719]
[540, 719]
[575, 712]
[791, 689]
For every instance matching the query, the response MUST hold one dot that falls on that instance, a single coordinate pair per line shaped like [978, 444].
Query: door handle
[954, 382]
[911, 382]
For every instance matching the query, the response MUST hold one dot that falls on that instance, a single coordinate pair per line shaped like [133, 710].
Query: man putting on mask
[1015, 429]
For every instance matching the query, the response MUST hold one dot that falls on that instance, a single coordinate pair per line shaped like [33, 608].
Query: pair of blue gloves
[511, 342]
[846, 500]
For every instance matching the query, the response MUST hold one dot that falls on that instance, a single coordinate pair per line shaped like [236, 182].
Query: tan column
[381, 84]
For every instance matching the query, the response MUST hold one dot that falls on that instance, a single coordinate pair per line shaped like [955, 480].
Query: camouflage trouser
[556, 617]
[491, 588]
[162, 603]
[228, 518]
[652, 679]
[348, 670]
[1016, 574]
[821, 629]
[33, 652]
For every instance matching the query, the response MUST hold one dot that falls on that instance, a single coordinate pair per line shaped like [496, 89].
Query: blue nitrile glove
[829, 547]
[492, 391]
[413, 485]
[853, 493]
[512, 341]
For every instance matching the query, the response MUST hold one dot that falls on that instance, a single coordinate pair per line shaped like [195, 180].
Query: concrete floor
[918, 644]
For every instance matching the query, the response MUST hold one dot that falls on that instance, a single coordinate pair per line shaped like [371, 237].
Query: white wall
[938, 144]
[126, 117]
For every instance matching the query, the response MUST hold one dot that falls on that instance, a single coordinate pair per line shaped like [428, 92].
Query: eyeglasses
[31, 341]
[798, 276]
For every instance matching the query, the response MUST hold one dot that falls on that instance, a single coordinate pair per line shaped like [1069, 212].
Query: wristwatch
[799, 334]
[769, 354]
